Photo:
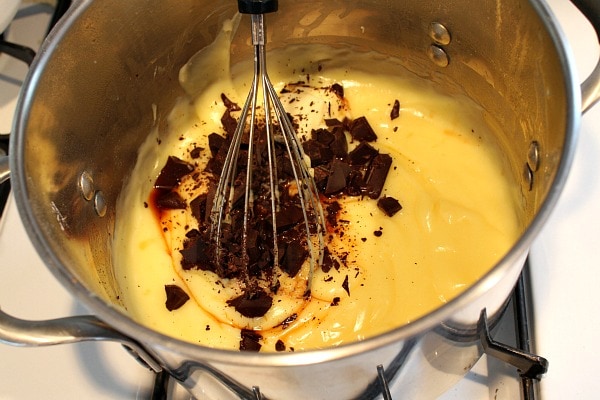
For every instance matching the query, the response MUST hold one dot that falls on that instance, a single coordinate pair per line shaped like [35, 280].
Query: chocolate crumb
[378, 233]
[336, 301]
[176, 297]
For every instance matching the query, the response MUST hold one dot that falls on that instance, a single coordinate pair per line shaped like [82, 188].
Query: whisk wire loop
[285, 135]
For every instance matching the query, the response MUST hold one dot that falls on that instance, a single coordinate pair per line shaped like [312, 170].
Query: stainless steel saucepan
[87, 106]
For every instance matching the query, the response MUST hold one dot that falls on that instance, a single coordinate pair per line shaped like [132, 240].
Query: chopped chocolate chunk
[252, 304]
[333, 122]
[346, 286]
[176, 297]
[395, 113]
[321, 173]
[338, 90]
[250, 340]
[377, 233]
[279, 345]
[318, 152]
[323, 136]
[339, 145]
[362, 154]
[361, 130]
[215, 142]
[172, 173]
[196, 151]
[198, 208]
[356, 183]
[336, 301]
[337, 177]
[389, 205]
[230, 105]
[229, 123]
[196, 254]
[333, 210]
[294, 257]
[170, 201]
[377, 175]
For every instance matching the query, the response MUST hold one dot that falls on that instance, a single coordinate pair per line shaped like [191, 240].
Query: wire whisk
[266, 218]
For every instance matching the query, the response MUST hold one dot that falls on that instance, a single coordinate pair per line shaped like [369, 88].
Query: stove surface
[564, 271]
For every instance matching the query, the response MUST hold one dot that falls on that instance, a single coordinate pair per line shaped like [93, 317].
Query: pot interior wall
[109, 75]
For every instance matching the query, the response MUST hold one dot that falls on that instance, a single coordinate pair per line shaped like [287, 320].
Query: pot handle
[19, 332]
[590, 88]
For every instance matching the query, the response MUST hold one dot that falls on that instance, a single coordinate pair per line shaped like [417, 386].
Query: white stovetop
[566, 272]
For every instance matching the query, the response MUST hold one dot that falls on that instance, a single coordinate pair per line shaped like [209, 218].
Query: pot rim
[147, 336]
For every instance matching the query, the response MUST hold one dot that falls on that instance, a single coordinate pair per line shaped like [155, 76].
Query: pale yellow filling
[458, 219]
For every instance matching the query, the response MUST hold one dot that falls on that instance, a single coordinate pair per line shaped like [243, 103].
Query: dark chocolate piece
[196, 253]
[362, 154]
[250, 340]
[176, 297]
[196, 151]
[339, 145]
[318, 152]
[252, 304]
[172, 173]
[279, 345]
[337, 177]
[338, 90]
[229, 123]
[395, 113]
[322, 136]
[168, 200]
[377, 175]
[389, 205]
[294, 257]
[361, 130]
[230, 105]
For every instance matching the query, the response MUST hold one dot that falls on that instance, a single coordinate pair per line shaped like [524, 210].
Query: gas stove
[562, 271]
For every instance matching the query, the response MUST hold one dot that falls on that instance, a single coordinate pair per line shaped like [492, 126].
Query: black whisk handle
[257, 6]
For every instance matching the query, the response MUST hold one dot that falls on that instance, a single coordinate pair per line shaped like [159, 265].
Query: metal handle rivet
[86, 186]
[438, 55]
[439, 34]
[100, 203]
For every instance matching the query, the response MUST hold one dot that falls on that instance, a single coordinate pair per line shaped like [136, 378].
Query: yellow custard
[458, 218]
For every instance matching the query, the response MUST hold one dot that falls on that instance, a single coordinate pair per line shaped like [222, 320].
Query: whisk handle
[257, 6]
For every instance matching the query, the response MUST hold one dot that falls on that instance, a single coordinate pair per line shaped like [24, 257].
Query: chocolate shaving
[395, 113]
[346, 286]
[176, 297]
